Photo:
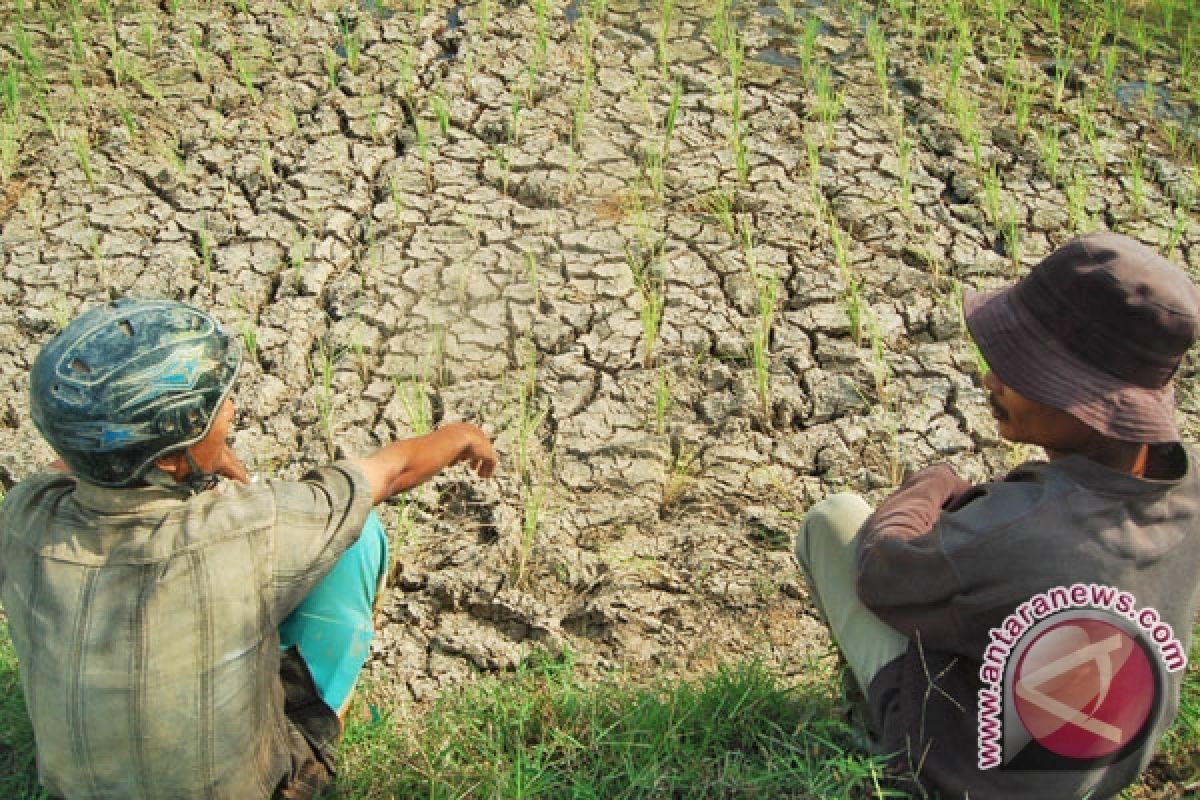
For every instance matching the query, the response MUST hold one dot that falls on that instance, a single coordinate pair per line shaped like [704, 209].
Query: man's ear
[174, 464]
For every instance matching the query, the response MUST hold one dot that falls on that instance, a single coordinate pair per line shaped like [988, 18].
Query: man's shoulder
[37, 489]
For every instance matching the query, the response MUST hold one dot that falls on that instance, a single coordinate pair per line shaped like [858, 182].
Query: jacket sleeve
[904, 574]
[317, 519]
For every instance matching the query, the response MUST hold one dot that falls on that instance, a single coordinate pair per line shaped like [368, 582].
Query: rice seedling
[371, 106]
[331, 68]
[514, 119]
[424, 148]
[671, 117]
[653, 166]
[441, 109]
[1114, 14]
[246, 328]
[666, 11]
[583, 98]
[1139, 33]
[1023, 106]
[644, 259]
[850, 283]
[879, 366]
[204, 242]
[813, 154]
[991, 193]
[1063, 59]
[1010, 229]
[529, 418]
[719, 203]
[828, 105]
[532, 507]
[680, 474]
[1076, 191]
[1175, 235]
[1170, 130]
[966, 113]
[83, 149]
[201, 58]
[896, 448]
[245, 73]
[10, 150]
[78, 49]
[503, 165]
[483, 11]
[787, 10]
[877, 47]
[737, 138]
[298, 255]
[396, 193]
[29, 57]
[1137, 182]
[406, 65]
[541, 41]
[1049, 146]
[808, 47]
[10, 93]
[1185, 203]
[61, 312]
[351, 44]
[96, 250]
[951, 99]
[852, 299]
[1011, 77]
[532, 276]
[767, 289]
[320, 367]
[663, 400]
[721, 27]
[1086, 125]
[904, 151]
[413, 395]
[148, 36]
[653, 295]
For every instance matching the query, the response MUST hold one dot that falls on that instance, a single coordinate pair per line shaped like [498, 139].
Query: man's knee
[838, 516]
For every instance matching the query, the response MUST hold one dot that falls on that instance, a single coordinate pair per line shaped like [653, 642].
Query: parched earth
[419, 215]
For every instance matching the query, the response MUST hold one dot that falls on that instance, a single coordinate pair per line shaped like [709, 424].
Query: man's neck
[1130, 457]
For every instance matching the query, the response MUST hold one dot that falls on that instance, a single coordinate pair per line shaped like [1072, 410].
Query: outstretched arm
[401, 465]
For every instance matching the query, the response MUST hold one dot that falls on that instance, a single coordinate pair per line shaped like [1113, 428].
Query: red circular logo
[1083, 688]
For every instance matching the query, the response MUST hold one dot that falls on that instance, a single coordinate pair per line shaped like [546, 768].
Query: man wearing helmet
[1027, 636]
[182, 631]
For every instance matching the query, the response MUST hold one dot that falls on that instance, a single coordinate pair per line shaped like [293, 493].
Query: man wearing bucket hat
[1027, 637]
[180, 630]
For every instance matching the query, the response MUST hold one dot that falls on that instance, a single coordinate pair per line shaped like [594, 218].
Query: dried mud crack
[690, 287]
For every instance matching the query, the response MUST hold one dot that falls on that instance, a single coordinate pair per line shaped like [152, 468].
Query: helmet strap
[198, 480]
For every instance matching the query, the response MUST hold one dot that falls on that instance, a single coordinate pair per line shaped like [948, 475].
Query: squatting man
[182, 631]
[997, 629]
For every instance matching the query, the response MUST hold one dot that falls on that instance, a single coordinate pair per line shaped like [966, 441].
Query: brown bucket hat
[1097, 329]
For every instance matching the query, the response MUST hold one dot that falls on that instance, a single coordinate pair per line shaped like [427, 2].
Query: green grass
[18, 772]
[546, 733]
[743, 731]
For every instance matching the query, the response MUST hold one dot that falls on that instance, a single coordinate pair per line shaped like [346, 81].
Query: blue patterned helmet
[129, 382]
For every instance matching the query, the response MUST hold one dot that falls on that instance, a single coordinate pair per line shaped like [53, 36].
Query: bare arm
[401, 465]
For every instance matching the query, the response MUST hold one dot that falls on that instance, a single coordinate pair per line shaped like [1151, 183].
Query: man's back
[146, 621]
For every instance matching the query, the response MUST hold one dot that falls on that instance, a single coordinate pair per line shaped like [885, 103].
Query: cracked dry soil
[415, 219]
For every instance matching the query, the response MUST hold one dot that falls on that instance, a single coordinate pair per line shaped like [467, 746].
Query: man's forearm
[899, 558]
[403, 464]
[914, 507]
